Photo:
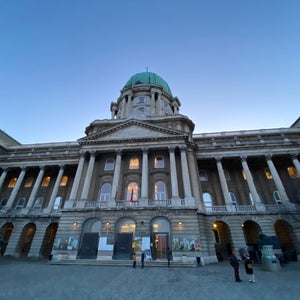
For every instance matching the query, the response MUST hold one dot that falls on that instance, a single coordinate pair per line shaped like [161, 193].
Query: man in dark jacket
[235, 264]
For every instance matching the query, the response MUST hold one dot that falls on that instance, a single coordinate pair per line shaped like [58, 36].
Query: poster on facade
[65, 242]
[186, 243]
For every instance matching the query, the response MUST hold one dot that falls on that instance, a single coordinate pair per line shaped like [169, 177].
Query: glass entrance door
[160, 245]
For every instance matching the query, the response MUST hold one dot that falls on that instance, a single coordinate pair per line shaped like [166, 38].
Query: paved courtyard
[29, 280]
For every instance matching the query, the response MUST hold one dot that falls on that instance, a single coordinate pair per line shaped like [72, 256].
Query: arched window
[292, 172]
[109, 165]
[105, 192]
[38, 203]
[276, 197]
[46, 181]
[160, 191]
[21, 203]
[57, 203]
[126, 225]
[12, 182]
[268, 173]
[159, 162]
[29, 182]
[64, 181]
[134, 163]
[132, 191]
[207, 199]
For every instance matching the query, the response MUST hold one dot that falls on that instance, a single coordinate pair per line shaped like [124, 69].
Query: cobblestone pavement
[36, 279]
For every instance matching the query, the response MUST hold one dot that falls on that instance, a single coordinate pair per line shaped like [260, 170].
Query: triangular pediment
[132, 130]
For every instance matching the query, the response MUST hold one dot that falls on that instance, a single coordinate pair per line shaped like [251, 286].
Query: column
[15, 190]
[77, 178]
[3, 176]
[174, 183]
[88, 177]
[35, 187]
[295, 162]
[56, 187]
[114, 190]
[185, 173]
[277, 180]
[144, 192]
[223, 181]
[251, 185]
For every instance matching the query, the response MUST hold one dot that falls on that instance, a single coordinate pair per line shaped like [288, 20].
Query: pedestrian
[143, 259]
[249, 267]
[235, 264]
[169, 256]
[134, 260]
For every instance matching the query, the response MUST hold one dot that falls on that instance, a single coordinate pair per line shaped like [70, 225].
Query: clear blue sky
[234, 64]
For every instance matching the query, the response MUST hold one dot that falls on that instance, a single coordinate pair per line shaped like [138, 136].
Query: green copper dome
[148, 78]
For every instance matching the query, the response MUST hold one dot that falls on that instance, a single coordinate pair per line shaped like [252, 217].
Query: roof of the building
[148, 78]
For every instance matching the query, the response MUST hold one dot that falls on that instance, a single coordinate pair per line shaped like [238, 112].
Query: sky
[234, 64]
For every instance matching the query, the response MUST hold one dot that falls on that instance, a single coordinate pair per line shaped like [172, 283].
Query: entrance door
[89, 245]
[123, 246]
[160, 245]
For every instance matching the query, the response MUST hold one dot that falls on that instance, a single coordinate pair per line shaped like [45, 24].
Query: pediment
[132, 130]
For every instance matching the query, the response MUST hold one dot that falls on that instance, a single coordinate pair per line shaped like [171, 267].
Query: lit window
[268, 174]
[276, 197]
[134, 163]
[132, 191]
[64, 181]
[21, 203]
[28, 182]
[46, 181]
[244, 175]
[160, 191]
[292, 172]
[12, 182]
[159, 162]
[38, 203]
[105, 192]
[203, 175]
[109, 165]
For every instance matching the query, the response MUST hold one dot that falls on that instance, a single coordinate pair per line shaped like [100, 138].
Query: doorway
[161, 245]
[123, 246]
[89, 246]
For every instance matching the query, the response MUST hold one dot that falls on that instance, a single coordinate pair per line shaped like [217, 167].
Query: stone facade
[144, 181]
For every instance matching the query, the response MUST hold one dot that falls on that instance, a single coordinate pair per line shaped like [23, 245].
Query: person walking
[134, 260]
[143, 259]
[169, 256]
[235, 264]
[249, 267]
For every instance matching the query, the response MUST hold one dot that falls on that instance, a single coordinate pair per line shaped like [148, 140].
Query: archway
[286, 240]
[223, 241]
[251, 232]
[48, 240]
[90, 239]
[26, 239]
[160, 237]
[125, 236]
[5, 233]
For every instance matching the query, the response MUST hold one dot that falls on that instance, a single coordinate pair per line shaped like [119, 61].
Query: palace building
[144, 181]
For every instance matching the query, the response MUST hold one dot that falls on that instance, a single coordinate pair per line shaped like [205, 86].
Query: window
[292, 172]
[12, 182]
[203, 175]
[3, 203]
[132, 191]
[21, 203]
[29, 182]
[109, 165]
[38, 203]
[159, 162]
[160, 191]
[232, 197]
[134, 163]
[244, 175]
[64, 181]
[276, 197]
[268, 174]
[46, 181]
[141, 100]
[105, 192]
[57, 203]
[207, 199]
[227, 176]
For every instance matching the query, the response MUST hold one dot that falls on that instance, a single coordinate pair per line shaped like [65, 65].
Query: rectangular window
[203, 175]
